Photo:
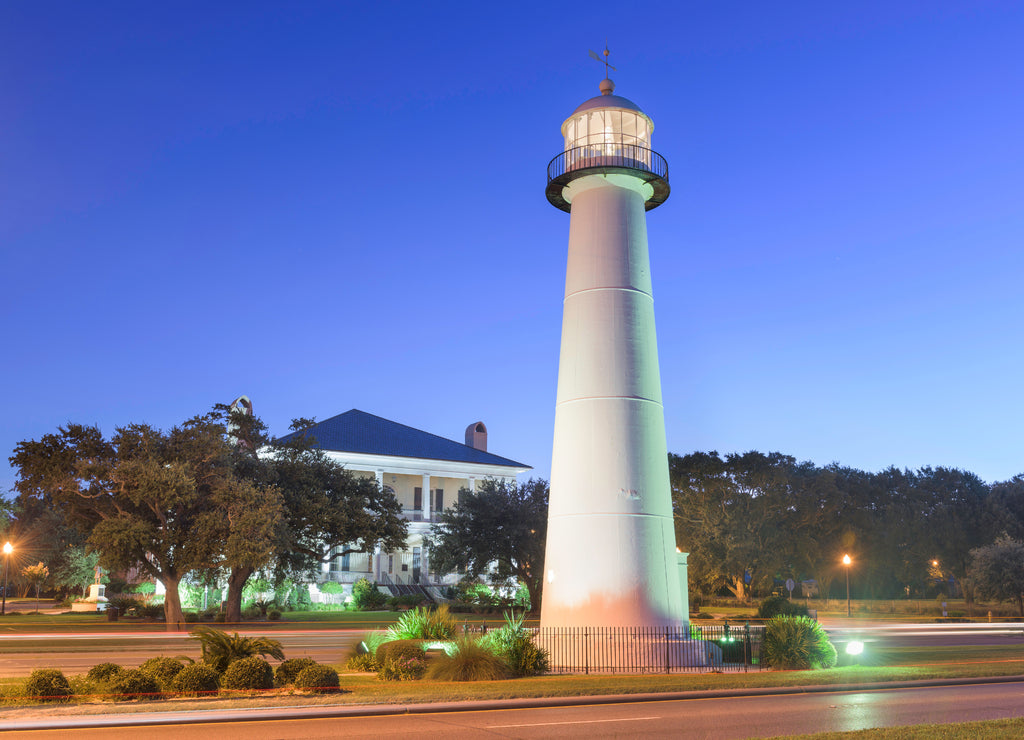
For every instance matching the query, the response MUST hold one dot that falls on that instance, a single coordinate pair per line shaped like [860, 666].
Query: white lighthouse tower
[611, 558]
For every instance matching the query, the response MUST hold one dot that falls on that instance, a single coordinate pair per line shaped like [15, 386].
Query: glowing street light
[7, 564]
[846, 562]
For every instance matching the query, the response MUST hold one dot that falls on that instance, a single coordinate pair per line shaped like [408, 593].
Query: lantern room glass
[596, 135]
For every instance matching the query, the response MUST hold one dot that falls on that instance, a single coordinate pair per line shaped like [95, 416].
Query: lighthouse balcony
[600, 159]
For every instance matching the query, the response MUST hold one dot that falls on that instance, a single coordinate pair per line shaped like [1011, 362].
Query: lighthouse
[611, 557]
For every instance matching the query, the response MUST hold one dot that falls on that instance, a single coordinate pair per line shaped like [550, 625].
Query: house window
[391, 563]
[345, 562]
[417, 498]
[439, 499]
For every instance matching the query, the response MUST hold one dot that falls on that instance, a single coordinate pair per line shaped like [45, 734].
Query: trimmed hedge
[396, 649]
[132, 683]
[48, 684]
[286, 672]
[249, 673]
[103, 671]
[320, 679]
[196, 680]
[163, 669]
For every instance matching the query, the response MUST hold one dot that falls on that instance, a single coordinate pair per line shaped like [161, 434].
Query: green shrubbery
[514, 644]
[318, 678]
[131, 683]
[424, 624]
[103, 671]
[469, 660]
[402, 669]
[780, 606]
[163, 669]
[221, 649]
[396, 649]
[365, 662]
[366, 596]
[286, 672]
[196, 680]
[47, 684]
[796, 643]
[249, 673]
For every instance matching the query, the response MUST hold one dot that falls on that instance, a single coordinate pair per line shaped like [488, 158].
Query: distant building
[424, 471]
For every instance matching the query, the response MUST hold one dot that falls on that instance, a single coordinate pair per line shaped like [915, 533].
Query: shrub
[221, 649]
[320, 679]
[163, 669]
[780, 606]
[249, 673]
[366, 595]
[469, 660]
[514, 644]
[402, 669]
[273, 615]
[287, 671]
[396, 649]
[424, 624]
[190, 617]
[196, 680]
[151, 611]
[103, 671]
[126, 605]
[47, 684]
[372, 641]
[131, 683]
[364, 662]
[796, 643]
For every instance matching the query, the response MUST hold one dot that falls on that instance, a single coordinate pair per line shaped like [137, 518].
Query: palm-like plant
[220, 648]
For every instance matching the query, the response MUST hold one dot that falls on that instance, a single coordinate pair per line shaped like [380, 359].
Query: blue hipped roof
[358, 431]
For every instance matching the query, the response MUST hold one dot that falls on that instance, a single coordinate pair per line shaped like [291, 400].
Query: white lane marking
[576, 722]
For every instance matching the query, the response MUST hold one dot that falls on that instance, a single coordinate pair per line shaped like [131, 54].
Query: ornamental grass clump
[364, 662]
[251, 674]
[285, 673]
[513, 643]
[424, 624]
[780, 606]
[468, 660]
[196, 680]
[796, 643]
[320, 679]
[47, 684]
[396, 649]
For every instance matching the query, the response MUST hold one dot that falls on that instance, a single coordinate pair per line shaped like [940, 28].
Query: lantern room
[607, 134]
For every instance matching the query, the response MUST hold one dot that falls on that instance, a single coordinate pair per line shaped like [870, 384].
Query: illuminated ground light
[854, 647]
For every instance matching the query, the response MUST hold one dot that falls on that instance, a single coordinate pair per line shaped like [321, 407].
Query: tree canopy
[751, 520]
[499, 532]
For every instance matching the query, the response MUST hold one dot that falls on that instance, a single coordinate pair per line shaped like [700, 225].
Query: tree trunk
[172, 605]
[236, 582]
[738, 588]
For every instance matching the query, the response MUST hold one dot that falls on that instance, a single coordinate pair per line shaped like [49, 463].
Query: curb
[381, 710]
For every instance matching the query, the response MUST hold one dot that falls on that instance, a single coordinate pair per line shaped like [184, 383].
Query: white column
[425, 499]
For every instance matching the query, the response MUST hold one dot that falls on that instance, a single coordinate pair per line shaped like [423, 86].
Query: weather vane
[597, 56]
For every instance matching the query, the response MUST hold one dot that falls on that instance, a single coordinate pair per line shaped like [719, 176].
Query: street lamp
[846, 562]
[7, 564]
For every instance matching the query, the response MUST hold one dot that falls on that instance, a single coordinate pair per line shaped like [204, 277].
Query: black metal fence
[699, 648]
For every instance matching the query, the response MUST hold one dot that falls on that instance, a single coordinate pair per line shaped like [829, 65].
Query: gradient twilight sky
[328, 205]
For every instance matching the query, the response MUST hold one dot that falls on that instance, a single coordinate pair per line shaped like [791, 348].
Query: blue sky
[329, 206]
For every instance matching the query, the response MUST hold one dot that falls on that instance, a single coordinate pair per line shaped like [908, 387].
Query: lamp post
[846, 562]
[7, 563]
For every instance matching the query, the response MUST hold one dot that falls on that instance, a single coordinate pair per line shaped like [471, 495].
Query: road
[714, 719]
[78, 652]
[925, 635]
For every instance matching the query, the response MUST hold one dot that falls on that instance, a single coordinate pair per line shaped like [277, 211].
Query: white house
[424, 471]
